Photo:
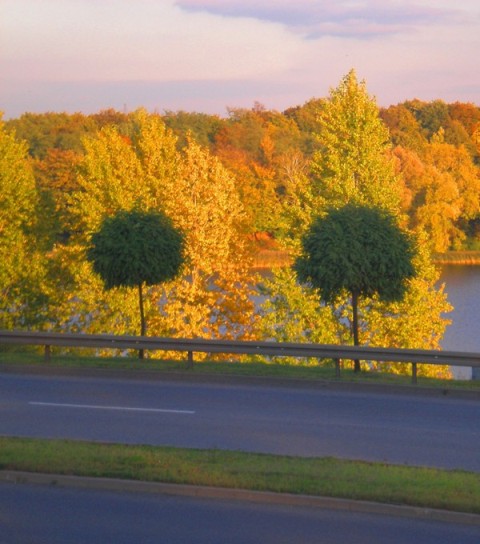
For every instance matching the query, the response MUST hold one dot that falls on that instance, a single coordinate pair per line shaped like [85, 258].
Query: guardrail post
[414, 372]
[48, 353]
[337, 368]
[190, 359]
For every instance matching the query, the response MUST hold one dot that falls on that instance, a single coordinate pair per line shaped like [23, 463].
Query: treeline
[225, 182]
[436, 148]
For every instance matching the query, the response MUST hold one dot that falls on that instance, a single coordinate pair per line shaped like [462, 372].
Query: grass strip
[325, 371]
[393, 484]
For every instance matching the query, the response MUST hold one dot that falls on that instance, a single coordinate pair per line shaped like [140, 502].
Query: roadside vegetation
[415, 486]
[253, 182]
[274, 369]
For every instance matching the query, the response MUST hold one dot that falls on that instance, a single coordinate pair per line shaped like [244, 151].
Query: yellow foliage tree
[441, 189]
[216, 298]
[23, 293]
[415, 322]
[355, 164]
[143, 170]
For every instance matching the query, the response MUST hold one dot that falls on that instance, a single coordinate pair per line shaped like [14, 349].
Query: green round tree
[135, 248]
[360, 250]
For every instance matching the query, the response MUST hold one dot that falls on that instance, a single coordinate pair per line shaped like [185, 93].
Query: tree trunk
[356, 342]
[141, 353]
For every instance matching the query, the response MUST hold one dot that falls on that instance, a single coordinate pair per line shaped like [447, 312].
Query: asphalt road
[442, 432]
[30, 514]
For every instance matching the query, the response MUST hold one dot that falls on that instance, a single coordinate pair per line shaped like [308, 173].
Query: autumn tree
[456, 163]
[55, 177]
[109, 116]
[202, 127]
[360, 250]
[22, 272]
[306, 118]
[294, 312]
[432, 116]
[299, 201]
[143, 169]
[417, 321]
[353, 163]
[216, 299]
[44, 131]
[118, 172]
[253, 143]
[404, 129]
[441, 192]
[466, 113]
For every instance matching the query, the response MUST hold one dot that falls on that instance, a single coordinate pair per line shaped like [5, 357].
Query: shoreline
[458, 258]
[276, 258]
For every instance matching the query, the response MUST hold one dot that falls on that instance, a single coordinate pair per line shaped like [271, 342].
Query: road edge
[228, 379]
[265, 497]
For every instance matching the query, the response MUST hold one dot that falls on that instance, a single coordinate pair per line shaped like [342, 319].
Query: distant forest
[435, 145]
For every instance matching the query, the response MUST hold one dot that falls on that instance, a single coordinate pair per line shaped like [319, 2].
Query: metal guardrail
[266, 348]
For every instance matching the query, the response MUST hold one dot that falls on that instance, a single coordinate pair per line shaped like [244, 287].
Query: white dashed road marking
[118, 408]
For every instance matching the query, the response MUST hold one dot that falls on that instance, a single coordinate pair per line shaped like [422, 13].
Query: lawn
[402, 485]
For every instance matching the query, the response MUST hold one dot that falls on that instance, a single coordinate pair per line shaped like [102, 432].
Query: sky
[210, 55]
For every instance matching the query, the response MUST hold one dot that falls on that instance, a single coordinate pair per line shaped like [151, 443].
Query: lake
[462, 283]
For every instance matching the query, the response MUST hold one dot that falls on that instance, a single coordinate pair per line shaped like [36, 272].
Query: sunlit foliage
[230, 183]
[23, 293]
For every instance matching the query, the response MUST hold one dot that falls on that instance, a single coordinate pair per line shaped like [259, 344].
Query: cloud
[320, 18]
[104, 40]
[204, 55]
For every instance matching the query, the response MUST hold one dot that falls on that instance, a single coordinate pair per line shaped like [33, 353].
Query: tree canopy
[135, 248]
[224, 182]
[352, 164]
[358, 249]
[22, 257]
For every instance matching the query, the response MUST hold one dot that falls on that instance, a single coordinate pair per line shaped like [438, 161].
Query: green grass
[225, 367]
[452, 490]
[378, 482]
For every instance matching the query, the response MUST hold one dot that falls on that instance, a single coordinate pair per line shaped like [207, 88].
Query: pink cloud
[326, 18]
